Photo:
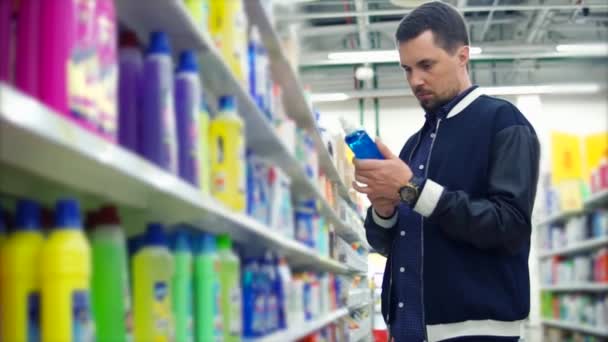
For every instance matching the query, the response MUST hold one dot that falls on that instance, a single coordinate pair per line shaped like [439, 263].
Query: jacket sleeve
[502, 219]
[379, 230]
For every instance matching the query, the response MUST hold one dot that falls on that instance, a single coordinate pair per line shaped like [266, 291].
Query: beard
[434, 102]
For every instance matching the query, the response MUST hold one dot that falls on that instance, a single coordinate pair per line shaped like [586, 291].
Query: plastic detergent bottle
[227, 152]
[110, 283]
[182, 286]
[28, 44]
[187, 105]
[6, 39]
[152, 273]
[65, 278]
[158, 142]
[254, 305]
[360, 142]
[207, 290]
[20, 278]
[130, 64]
[258, 70]
[230, 289]
[284, 274]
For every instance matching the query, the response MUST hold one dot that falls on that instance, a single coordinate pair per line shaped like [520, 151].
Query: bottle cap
[159, 43]
[67, 214]
[108, 216]
[227, 103]
[180, 240]
[155, 235]
[188, 61]
[27, 215]
[128, 39]
[224, 241]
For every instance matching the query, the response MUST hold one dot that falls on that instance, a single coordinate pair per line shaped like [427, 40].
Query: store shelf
[304, 329]
[44, 155]
[173, 18]
[560, 217]
[362, 332]
[576, 287]
[295, 102]
[597, 200]
[358, 298]
[576, 247]
[584, 328]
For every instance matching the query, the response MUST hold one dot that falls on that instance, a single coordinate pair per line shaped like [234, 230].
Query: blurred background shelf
[304, 329]
[576, 287]
[577, 247]
[601, 332]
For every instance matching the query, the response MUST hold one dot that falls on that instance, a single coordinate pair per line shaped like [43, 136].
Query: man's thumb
[386, 152]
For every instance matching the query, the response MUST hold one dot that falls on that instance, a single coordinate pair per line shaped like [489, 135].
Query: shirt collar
[443, 111]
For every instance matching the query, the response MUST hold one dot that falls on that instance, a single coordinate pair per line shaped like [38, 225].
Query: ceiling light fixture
[329, 97]
[377, 56]
[599, 49]
[364, 73]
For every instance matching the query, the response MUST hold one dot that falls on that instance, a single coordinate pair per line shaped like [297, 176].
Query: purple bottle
[130, 64]
[187, 106]
[28, 43]
[158, 143]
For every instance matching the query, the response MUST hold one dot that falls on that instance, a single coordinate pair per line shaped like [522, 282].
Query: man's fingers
[362, 179]
[364, 190]
[368, 164]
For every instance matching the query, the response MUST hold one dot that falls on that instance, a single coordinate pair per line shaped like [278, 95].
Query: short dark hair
[444, 20]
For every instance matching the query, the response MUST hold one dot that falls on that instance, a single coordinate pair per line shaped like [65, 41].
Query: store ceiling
[521, 41]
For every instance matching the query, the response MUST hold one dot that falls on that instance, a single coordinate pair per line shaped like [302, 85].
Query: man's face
[432, 72]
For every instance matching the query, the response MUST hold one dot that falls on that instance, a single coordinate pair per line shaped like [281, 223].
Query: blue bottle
[360, 142]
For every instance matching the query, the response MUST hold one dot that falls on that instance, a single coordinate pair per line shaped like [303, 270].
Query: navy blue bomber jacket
[475, 214]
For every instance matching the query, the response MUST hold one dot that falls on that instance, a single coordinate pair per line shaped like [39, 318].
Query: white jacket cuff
[385, 223]
[427, 202]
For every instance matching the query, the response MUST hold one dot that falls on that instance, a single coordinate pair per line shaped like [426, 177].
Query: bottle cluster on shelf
[183, 284]
[580, 269]
[582, 309]
[559, 335]
[574, 230]
[599, 177]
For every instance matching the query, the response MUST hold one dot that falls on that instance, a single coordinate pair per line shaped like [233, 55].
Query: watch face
[408, 194]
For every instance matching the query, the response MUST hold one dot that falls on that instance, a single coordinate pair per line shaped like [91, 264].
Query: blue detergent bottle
[360, 142]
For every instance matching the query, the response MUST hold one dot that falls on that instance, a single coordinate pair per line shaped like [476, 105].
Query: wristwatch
[410, 192]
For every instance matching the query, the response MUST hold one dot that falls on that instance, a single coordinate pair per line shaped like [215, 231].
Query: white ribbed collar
[465, 102]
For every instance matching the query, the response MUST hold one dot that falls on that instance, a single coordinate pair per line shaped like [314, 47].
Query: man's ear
[464, 55]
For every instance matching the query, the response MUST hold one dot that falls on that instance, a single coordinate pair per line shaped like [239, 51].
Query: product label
[128, 313]
[169, 133]
[241, 163]
[218, 323]
[235, 327]
[83, 329]
[258, 324]
[194, 136]
[33, 317]
[162, 311]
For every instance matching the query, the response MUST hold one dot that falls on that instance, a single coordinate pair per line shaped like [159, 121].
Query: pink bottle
[106, 99]
[28, 43]
[57, 35]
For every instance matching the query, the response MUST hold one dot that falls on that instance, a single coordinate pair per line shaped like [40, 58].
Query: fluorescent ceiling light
[600, 49]
[329, 97]
[475, 50]
[584, 88]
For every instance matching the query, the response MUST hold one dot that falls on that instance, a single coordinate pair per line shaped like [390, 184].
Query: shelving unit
[576, 287]
[359, 298]
[361, 333]
[304, 329]
[577, 247]
[584, 328]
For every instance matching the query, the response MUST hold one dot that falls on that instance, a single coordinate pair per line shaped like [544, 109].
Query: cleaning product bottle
[258, 71]
[230, 289]
[65, 277]
[28, 43]
[130, 64]
[6, 39]
[152, 273]
[284, 274]
[20, 278]
[2, 227]
[158, 141]
[204, 161]
[187, 106]
[107, 73]
[253, 301]
[227, 152]
[207, 300]
[110, 292]
[272, 283]
[360, 142]
[182, 286]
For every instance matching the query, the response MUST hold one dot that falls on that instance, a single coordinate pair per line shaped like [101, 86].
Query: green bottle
[230, 289]
[182, 286]
[110, 284]
[207, 299]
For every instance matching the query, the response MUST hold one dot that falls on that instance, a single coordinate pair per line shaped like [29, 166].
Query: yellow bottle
[19, 277]
[65, 279]
[227, 154]
[204, 173]
[152, 273]
[228, 29]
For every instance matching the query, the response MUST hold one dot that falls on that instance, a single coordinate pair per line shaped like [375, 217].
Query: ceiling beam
[536, 25]
[468, 9]
[486, 25]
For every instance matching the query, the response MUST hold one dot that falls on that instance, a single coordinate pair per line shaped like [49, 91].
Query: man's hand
[381, 178]
[383, 206]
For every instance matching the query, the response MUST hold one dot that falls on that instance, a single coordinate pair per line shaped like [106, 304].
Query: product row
[584, 309]
[574, 230]
[63, 285]
[599, 177]
[584, 268]
[561, 335]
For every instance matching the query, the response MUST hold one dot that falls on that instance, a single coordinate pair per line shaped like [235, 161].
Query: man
[452, 212]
